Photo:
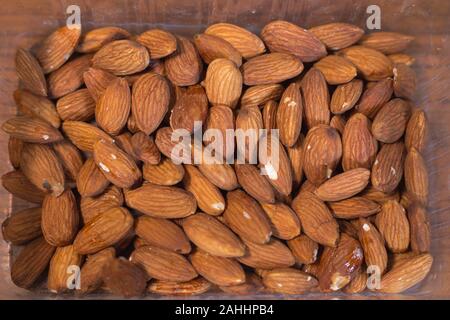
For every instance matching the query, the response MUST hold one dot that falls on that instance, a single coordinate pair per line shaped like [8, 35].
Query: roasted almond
[260, 94]
[90, 180]
[165, 173]
[92, 206]
[221, 117]
[416, 131]
[255, 184]
[84, 135]
[289, 115]
[387, 170]
[416, 177]
[211, 47]
[419, 228]
[346, 96]
[64, 259]
[375, 97]
[271, 255]
[92, 270]
[76, 106]
[372, 242]
[390, 122]
[336, 69]
[249, 122]
[304, 249]
[355, 207]
[338, 122]
[159, 43]
[295, 154]
[31, 129]
[316, 98]
[393, 226]
[283, 220]
[94, 39]
[96, 81]
[15, 146]
[404, 81]
[37, 106]
[337, 35]
[145, 149]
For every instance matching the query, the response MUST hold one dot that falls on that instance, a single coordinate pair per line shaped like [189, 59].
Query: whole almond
[221, 117]
[316, 219]
[189, 288]
[375, 97]
[393, 226]
[92, 206]
[70, 158]
[15, 146]
[346, 96]
[260, 94]
[90, 180]
[289, 280]
[271, 68]
[124, 278]
[211, 47]
[22, 226]
[63, 259]
[37, 106]
[283, 36]
[249, 122]
[283, 220]
[271, 255]
[165, 173]
[336, 69]
[30, 72]
[269, 114]
[170, 149]
[404, 81]
[221, 175]
[94, 39]
[416, 176]
[84, 135]
[161, 201]
[247, 43]
[372, 243]
[387, 42]
[295, 154]
[210, 235]
[322, 151]
[16, 183]
[337, 35]
[416, 131]
[316, 98]
[92, 270]
[355, 207]
[289, 115]
[184, 66]
[122, 57]
[255, 184]
[304, 249]
[378, 196]
[358, 284]
[96, 81]
[192, 106]
[390, 122]
[145, 149]
[159, 43]
[57, 48]
[419, 228]
[76, 106]
[30, 129]
[338, 122]
[387, 170]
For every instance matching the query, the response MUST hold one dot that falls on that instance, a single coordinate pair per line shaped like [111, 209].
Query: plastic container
[25, 22]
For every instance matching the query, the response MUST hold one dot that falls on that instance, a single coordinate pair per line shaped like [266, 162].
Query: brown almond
[419, 228]
[255, 184]
[211, 47]
[30, 129]
[184, 66]
[387, 42]
[416, 177]
[316, 98]
[283, 220]
[355, 207]
[295, 154]
[390, 122]
[124, 142]
[159, 43]
[289, 281]
[145, 149]
[393, 226]
[221, 175]
[358, 284]
[16, 183]
[336, 69]
[37, 106]
[195, 286]
[190, 107]
[124, 278]
[387, 170]
[346, 96]
[84, 135]
[70, 158]
[76, 106]
[416, 131]
[221, 117]
[404, 81]
[92, 206]
[96, 81]
[171, 148]
[375, 97]
[304, 249]
[165, 173]
[91, 181]
[260, 94]
[372, 243]
[338, 122]
[337, 35]
[378, 196]
[249, 122]
[289, 115]
[269, 114]
[61, 268]
[15, 146]
[401, 58]
[271, 255]
[95, 39]
[30, 72]
[92, 270]
[22, 226]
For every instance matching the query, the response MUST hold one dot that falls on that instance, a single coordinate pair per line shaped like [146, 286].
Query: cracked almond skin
[162, 233]
[271, 68]
[304, 249]
[316, 98]
[184, 66]
[261, 94]
[92, 270]
[31, 262]
[63, 259]
[256, 185]
[163, 264]
[337, 35]
[57, 48]
[393, 225]
[387, 170]
[76, 106]
[354, 207]
[95, 39]
[271, 255]
[96, 81]
[289, 115]
[22, 226]
[283, 220]
[124, 278]
[248, 44]
[116, 165]
[358, 145]
[246, 218]
[210, 235]
[416, 177]
[208, 196]
[390, 122]
[30, 129]
[286, 37]
[211, 47]
[344, 185]
[37, 106]
[60, 219]
[145, 149]
[218, 270]
[375, 97]
[322, 151]
[159, 43]
[42, 167]
[406, 273]
[419, 228]
[387, 42]
[193, 287]
[30, 72]
[190, 107]
[106, 229]
[16, 183]
[372, 64]
[165, 173]
[416, 131]
[121, 57]
[84, 135]
[336, 69]
[346, 96]
[289, 281]
[161, 201]
[92, 206]
[372, 242]
[90, 180]
[316, 219]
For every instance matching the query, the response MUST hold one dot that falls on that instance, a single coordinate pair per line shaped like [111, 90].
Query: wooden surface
[25, 22]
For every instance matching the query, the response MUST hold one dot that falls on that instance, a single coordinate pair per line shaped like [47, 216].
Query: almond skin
[416, 131]
[269, 114]
[94, 39]
[358, 145]
[246, 218]
[122, 57]
[23, 226]
[221, 118]
[337, 35]
[37, 106]
[212, 47]
[390, 122]
[30, 129]
[113, 107]
[159, 43]
[221, 175]
[96, 81]
[115, 164]
[84, 135]
[283, 220]
[184, 66]
[58, 274]
[283, 36]
[90, 180]
[316, 98]
[304, 249]
[124, 278]
[346, 96]
[336, 69]
[273, 254]
[163, 264]
[104, 230]
[344, 185]
[162, 233]
[30, 72]
[295, 154]
[145, 149]
[256, 185]
[247, 43]
[289, 281]
[218, 270]
[57, 48]
[271, 68]
[92, 270]
[387, 42]
[223, 83]
[259, 95]
[150, 101]
[249, 122]
[92, 206]
[394, 227]
[165, 173]
[419, 228]
[375, 97]
[372, 64]
[191, 106]
[161, 201]
[41, 166]
[338, 122]
[196, 286]
[70, 158]
[212, 236]
[322, 152]
[76, 106]
[16, 183]
[373, 245]
[316, 219]
[354, 207]
[387, 170]
[289, 115]
[416, 176]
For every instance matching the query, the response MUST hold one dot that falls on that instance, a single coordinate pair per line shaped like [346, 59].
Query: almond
[295, 154]
[95, 39]
[387, 170]
[36, 106]
[283, 220]
[375, 97]
[93, 206]
[22, 226]
[419, 228]
[104, 230]
[76, 106]
[84, 135]
[159, 43]
[221, 175]
[338, 122]
[124, 278]
[193, 287]
[416, 131]
[337, 35]
[121, 57]
[358, 283]
[378, 196]
[416, 176]
[145, 149]
[169, 148]
[249, 122]
[316, 219]
[346, 96]
[165, 173]
[289, 115]
[124, 142]
[30, 72]
[210, 235]
[401, 58]
[394, 227]
[355, 207]
[373, 245]
[92, 270]
[387, 42]
[260, 94]
[289, 280]
[211, 47]
[247, 43]
[90, 180]
[304, 249]
[161, 201]
[16, 183]
[390, 122]
[59, 270]
[255, 184]
[70, 158]
[30, 129]
[221, 118]
[184, 66]
[190, 107]
[15, 146]
[271, 255]
[336, 69]
[404, 81]
[96, 81]
[316, 98]
[269, 114]
[286, 37]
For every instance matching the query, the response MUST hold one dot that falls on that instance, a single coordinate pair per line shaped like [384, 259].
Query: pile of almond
[92, 146]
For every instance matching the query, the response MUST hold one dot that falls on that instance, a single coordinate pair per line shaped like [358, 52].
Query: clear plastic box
[25, 22]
